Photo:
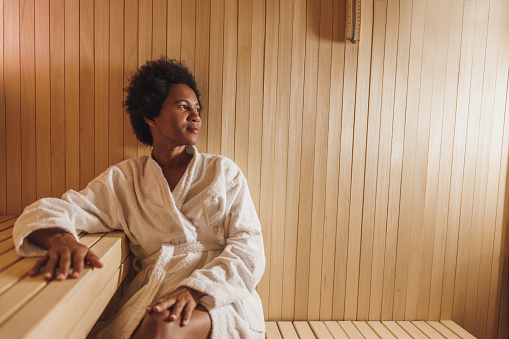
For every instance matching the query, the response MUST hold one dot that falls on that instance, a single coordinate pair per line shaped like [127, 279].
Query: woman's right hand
[64, 252]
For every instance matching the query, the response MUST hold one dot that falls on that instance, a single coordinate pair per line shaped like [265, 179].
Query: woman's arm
[63, 253]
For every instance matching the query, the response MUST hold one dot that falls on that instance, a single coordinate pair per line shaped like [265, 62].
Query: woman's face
[178, 122]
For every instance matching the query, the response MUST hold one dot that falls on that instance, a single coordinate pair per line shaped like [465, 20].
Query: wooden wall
[379, 170]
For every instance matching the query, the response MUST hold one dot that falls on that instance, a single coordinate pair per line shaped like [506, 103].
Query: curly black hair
[149, 87]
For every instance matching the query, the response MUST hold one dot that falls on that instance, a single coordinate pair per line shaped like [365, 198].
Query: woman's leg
[158, 325]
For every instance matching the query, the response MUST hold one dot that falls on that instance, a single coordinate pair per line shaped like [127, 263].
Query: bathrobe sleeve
[92, 210]
[234, 274]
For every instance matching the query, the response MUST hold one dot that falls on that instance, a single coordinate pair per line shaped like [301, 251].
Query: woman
[189, 217]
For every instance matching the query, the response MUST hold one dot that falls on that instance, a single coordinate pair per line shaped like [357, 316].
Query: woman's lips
[193, 130]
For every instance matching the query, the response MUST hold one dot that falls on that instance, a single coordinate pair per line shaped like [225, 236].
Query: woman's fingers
[38, 265]
[64, 265]
[177, 310]
[51, 266]
[93, 260]
[186, 316]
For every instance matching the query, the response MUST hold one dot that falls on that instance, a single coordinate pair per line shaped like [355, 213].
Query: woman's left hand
[180, 302]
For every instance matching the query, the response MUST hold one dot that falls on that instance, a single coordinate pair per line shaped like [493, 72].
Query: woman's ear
[150, 122]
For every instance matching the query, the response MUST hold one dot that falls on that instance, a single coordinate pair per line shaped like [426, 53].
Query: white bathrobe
[205, 235]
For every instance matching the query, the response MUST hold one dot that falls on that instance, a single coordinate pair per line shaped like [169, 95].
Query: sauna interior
[378, 169]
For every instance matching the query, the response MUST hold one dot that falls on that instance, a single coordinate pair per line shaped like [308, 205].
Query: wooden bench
[33, 308]
[365, 329]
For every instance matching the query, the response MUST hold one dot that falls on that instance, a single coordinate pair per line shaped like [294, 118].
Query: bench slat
[381, 330]
[351, 330]
[271, 331]
[336, 330]
[8, 258]
[443, 330]
[412, 330]
[6, 234]
[7, 223]
[46, 308]
[320, 330]
[5, 217]
[396, 330]
[6, 245]
[287, 330]
[460, 331]
[427, 329]
[303, 330]
[365, 330]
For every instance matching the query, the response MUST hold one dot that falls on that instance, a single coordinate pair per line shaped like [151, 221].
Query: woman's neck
[171, 158]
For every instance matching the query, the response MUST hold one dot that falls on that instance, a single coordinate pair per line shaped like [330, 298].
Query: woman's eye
[185, 107]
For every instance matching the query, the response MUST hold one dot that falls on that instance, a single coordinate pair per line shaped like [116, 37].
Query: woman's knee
[159, 325]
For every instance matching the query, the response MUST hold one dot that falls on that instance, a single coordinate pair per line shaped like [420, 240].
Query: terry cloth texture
[205, 235]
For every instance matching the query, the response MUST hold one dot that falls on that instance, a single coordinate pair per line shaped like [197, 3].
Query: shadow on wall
[320, 11]
[503, 320]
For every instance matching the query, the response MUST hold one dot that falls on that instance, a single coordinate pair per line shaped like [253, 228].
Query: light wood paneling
[379, 170]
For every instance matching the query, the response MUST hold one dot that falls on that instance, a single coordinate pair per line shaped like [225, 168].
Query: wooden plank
[333, 161]
[88, 320]
[345, 175]
[372, 154]
[174, 29]
[381, 330]
[145, 38]
[243, 82]
[425, 179]
[5, 217]
[460, 129]
[442, 329]
[429, 331]
[384, 158]
[101, 85]
[215, 77]
[460, 331]
[498, 287]
[409, 161]
[271, 330]
[365, 329]
[396, 164]
[256, 121]
[201, 68]
[229, 79]
[8, 223]
[72, 94]
[57, 99]
[13, 99]
[303, 330]
[8, 258]
[16, 272]
[358, 164]
[159, 22]
[320, 163]
[350, 330]
[27, 62]
[465, 263]
[281, 97]
[287, 330]
[115, 86]
[130, 66]
[307, 162]
[396, 330]
[267, 160]
[412, 330]
[455, 10]
[6, 245]
[320, 330]
[45, 309]
[6, 234]
[336, 330]
[3, 132]
[87, 99]
[188, 43]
